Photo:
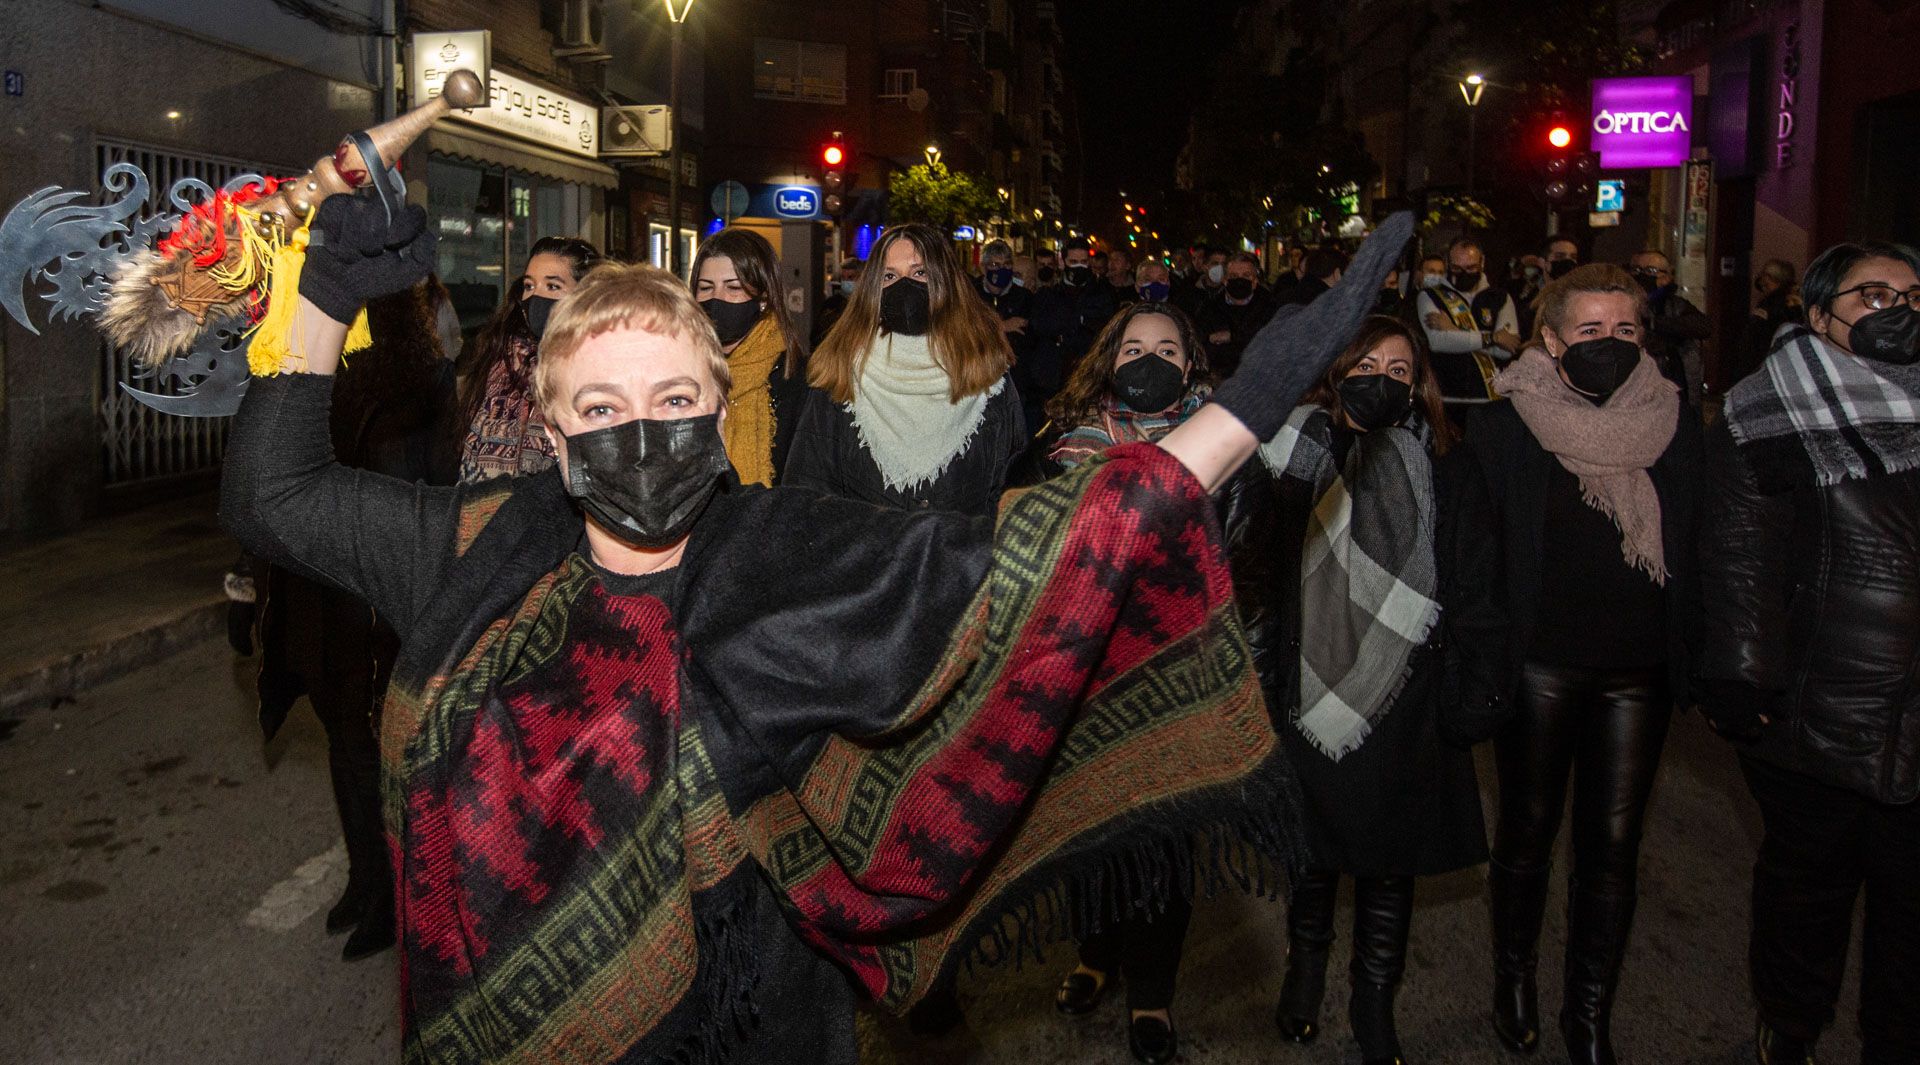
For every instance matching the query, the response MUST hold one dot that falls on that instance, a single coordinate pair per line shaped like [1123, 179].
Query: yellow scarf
[749, 426]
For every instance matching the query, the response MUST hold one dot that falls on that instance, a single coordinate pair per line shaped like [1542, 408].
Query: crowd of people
[1441, 511]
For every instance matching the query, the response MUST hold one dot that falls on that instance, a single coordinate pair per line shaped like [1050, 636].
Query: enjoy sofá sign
[1642, 122]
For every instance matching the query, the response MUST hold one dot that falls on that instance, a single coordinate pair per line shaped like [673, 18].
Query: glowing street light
[1471, 87]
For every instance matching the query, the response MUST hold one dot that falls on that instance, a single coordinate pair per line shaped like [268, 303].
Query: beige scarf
[1608, 447]
[904, 411]
[748, 429]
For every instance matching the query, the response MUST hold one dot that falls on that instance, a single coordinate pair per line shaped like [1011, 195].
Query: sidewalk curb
[71, 674]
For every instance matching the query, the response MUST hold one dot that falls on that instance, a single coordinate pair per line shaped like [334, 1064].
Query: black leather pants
[1604, 730]
[1145, 950]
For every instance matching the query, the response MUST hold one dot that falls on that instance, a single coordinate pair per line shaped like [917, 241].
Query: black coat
[827, 455]
[1498, 483]
[1406, 803]
[1065, 321]
[1814, 597]
[1239, 321]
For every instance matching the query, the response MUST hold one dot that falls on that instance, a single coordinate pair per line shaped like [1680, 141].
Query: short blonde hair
[626, 296]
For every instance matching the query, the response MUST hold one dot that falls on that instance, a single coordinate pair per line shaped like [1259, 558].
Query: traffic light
[1559, 137]
[1567, 171]
[833, 175]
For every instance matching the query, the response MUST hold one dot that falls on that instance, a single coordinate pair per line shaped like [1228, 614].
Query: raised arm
[1283, 361]
[282, 495]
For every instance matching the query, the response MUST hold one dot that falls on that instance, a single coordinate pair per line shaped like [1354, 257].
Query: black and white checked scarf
[1367, 575]
[1814, 414]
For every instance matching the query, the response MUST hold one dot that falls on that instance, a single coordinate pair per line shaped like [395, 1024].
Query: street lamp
[932, 152]
[1471, 87]
[677, 12]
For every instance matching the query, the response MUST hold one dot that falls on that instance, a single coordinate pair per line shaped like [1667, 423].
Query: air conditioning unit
[636, 131]
[581, 39]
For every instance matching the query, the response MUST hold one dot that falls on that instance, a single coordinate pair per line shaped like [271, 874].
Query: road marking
[290, 902]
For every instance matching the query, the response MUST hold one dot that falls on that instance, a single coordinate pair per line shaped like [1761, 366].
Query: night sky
[1138, 68]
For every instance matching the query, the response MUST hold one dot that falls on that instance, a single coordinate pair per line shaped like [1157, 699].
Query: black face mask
[1240, 288]
[732, 321]
[1560, 268]
[647, 480]
[906, 308]
[1046, 274]
[1464, 280]
[1649, 281]
[1597, 368]
[1079, 275]
[538, 309]
[1376, 401]
[1149, 384]
[1890, 335]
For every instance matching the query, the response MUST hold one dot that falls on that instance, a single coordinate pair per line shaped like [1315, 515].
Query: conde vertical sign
[1642, 122]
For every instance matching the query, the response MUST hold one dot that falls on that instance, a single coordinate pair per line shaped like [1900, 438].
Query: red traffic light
[833, 155]
[1559, 136]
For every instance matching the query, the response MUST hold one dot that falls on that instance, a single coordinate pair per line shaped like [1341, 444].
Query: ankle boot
[1309, 938]
[1519, 902]
[1382, 917]
[1772, 1048]
[1598, 924]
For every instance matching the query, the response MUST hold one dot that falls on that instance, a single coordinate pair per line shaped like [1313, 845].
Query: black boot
[374, 933]
[1598, 924]
[1772, 1048]
[1519, 901]
[1309, 938]
[1382, 917]
[348, 911]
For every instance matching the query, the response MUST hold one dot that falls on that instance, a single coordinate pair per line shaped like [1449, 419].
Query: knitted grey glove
[1297, 346]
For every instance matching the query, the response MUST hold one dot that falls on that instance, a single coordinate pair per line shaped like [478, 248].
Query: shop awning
[481, 146]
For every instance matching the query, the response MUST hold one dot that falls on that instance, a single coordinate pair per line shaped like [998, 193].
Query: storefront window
[657, 245]
[489, 219]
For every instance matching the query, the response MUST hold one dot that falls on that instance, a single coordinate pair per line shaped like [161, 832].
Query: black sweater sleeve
[286, 500]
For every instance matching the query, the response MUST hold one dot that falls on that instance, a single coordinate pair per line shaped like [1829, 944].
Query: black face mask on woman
[1149, 384]
[647, 480]
[538, 309]
[906, 307]
[1376, 400]
[1597, 368]
[1888, 335]
[731, 321]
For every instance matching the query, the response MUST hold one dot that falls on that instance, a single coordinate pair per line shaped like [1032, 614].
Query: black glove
[1734, 709]
[357, 254]
[1297, 346]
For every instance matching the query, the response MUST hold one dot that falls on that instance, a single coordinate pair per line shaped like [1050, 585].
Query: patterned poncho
[933, 738]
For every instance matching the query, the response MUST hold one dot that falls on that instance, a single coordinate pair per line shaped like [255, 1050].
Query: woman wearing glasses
[1812, 586]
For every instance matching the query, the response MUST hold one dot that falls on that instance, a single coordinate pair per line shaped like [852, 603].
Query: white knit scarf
[904, 412]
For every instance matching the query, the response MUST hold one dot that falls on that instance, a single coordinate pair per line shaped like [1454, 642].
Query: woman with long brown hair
[1146, 373]
[505, 435]
[1575, 615]
[913, 407]
[737, 282]
[1348, 499]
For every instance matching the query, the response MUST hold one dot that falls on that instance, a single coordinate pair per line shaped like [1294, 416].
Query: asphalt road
[162, 881]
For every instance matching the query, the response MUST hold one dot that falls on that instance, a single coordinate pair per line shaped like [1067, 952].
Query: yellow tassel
[272, 346]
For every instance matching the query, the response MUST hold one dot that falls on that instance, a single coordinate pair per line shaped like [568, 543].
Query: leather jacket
[1813, 597]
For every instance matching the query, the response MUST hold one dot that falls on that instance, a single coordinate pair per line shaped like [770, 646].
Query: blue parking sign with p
[1610, 194]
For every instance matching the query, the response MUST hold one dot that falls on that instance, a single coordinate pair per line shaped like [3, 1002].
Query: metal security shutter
[137, 443]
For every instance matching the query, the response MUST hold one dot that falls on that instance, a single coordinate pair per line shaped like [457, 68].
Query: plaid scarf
[1121, 424]
[573, 843]
[1368, 579]
[1819, 416]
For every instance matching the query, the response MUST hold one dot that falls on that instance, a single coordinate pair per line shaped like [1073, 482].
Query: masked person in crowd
[1812, 574]
[763, 784]
[1353, 667]
[1146, 375]
[736, 280]
[1230, 317]
[1573, 610]
[1393, 303]
[1679, 328]
[836, 302]
[1119, 277]
[1775, 305]
[1046, 267]
[1562, 256]
[1066, 318]
[1210, 274]
[912, 405]
[1026, 273]
[317, 640]
[505, 436]
[1152, 282]
[1471, 328]
[1011, 302]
